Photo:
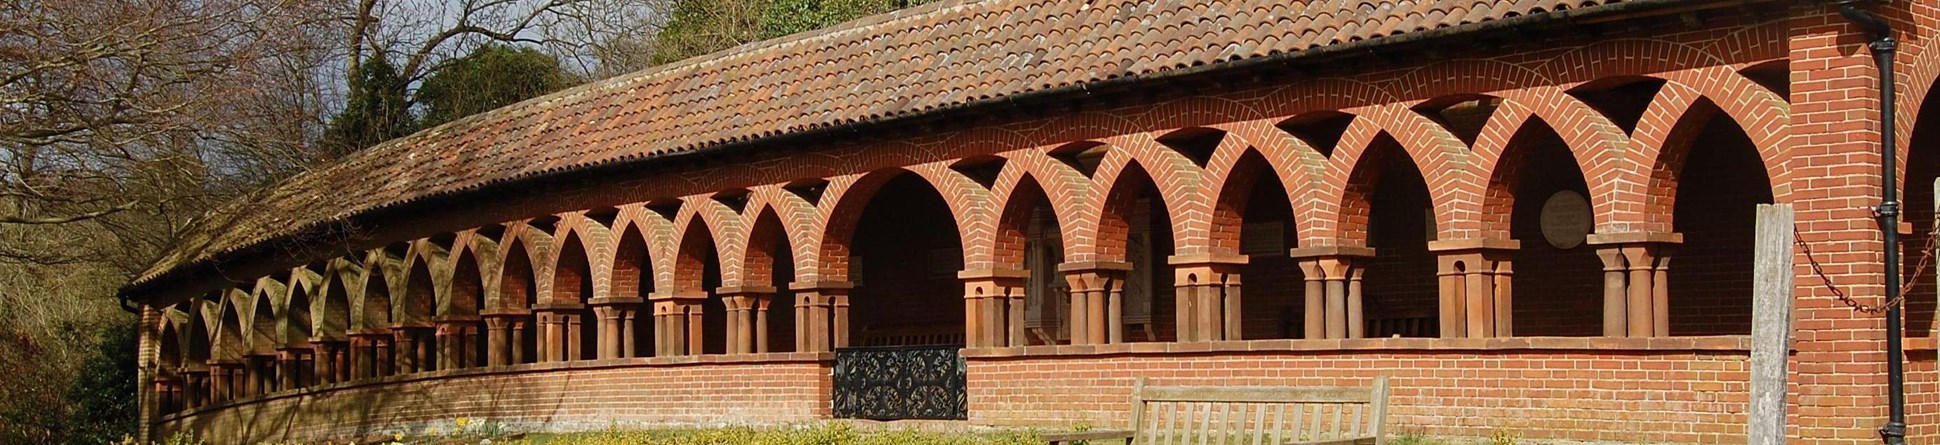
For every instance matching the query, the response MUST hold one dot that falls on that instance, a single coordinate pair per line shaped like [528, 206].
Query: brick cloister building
[1535, 216]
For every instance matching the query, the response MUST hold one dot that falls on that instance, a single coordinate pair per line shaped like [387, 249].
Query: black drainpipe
[1883, 45]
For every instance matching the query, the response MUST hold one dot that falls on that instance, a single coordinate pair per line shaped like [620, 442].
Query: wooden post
[1771, 325]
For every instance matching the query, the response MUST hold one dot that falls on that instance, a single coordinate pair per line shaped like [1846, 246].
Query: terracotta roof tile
[910, 61]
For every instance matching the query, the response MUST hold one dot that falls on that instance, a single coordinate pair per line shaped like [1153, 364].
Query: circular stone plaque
[1566, 219]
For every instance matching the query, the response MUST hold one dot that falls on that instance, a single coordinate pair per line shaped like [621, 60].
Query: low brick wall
[1661, 390]
[707, 390]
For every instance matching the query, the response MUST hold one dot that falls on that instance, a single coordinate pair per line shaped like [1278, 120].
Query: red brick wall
[542, 398]
[1617, 392]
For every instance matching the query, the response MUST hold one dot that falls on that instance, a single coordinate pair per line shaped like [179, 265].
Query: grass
[818, 434]
[828, 433]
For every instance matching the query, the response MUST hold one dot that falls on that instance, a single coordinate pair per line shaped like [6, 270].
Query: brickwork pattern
[1814, 136]
[589, 398]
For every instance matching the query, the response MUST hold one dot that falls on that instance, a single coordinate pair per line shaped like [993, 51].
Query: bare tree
[153, 107]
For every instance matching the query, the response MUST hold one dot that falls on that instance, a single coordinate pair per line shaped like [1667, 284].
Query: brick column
[677, 322]
[1636, 265]
[288, 362]
[747, 317]
[1208, 296]
[259, 374]
[195, 386]
[458, 342]
[821, 315]
[559, 326]
[1097, 301]
[505, 336]
[414, 344]
[222, 380]
[372, 354]
[616, 332]
[331, 365]
[1333, 306]
[993, 307]
[1475, 292]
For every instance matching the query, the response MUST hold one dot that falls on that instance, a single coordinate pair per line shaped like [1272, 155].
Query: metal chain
[1912, 279]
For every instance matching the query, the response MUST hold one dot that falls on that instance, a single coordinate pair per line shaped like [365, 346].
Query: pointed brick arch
[576, 238]
[798, 221]
[298, 322]
[421, 289]
[845, 200]
[373, 310]
[1665, 161]
[516, 286]
[657, 230]
[1176, 178]
[1598, 146]
[703, 224]
[1446, 165]
[264, 315]
[231, 339]
[333, 321]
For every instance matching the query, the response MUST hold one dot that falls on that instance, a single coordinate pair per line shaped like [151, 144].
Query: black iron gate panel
[900, 382]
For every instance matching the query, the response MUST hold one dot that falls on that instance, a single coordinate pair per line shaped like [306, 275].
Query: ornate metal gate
[900, 382]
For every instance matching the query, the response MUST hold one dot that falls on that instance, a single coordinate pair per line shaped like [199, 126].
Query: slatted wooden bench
[1249, 415]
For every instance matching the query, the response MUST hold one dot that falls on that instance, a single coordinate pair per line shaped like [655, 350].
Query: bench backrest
[1257, 415]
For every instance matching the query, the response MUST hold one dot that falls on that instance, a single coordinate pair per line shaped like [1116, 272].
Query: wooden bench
[1256, 415]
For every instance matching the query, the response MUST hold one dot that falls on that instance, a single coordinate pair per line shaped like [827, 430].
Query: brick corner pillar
[332, 360]
[1208, 296]
[1636, 290]
[147, 367]
[559, 326]
[747, 317]
[1476, 298]
[1097, 300]
[458, 337]
[1332, 305]
[505, 331]
[677, 322]
[616, 325]
[821, 314]
[993, 307]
